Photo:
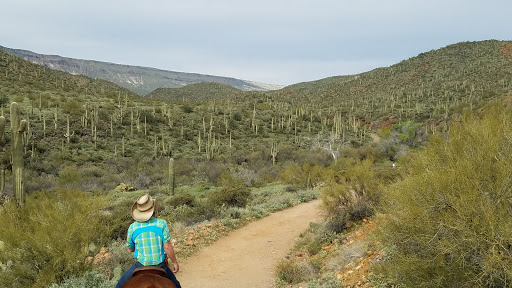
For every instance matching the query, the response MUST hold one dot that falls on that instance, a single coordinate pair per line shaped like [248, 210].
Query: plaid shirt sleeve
[167, 236]
[129, 242]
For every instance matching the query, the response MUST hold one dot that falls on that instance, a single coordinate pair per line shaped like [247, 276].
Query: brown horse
[149, 277]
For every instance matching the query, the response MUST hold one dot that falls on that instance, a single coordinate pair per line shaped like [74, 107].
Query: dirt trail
[247, 256]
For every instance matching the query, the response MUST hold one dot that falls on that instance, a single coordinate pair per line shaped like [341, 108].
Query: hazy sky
[271, 41]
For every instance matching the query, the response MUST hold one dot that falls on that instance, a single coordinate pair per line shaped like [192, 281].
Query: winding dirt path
[247, 256]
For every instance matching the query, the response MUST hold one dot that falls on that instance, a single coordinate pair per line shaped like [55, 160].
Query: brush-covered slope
[141, 80]
[426, 86]
[199, 92]
[115, 136]
[19, 77]
[91, 134]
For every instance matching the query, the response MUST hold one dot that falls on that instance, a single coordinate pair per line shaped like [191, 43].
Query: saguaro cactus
[18, 126]
[171, 176]
[273, 152]
[2, 169]
[2, 128]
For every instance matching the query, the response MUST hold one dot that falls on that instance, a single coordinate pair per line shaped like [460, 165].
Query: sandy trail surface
[247, 256]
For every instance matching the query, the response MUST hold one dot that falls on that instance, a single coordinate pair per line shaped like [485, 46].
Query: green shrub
[289, 272]
[18, 98]
[314, 247]
[327, 280]
[69, 175]
[119, 217]
[233, 194]
[352, 192]
[305, 175]
[121, 259]
[337, 221]
[236, 213]
[449, 223]
[88, 280]
[47, 239]
[202, 211]
[182, 199]
[257, 212]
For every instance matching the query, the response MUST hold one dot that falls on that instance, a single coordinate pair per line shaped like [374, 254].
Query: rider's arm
[129, 241]
[169, 250]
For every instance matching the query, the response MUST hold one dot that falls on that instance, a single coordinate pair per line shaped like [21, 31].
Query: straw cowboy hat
[143, 208]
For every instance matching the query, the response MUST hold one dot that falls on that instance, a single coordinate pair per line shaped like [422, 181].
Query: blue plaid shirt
[150, 248]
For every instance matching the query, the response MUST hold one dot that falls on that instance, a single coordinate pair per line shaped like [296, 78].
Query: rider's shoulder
[160, 221]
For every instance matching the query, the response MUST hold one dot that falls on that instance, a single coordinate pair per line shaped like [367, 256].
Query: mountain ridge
[425, 86]
[139, 79]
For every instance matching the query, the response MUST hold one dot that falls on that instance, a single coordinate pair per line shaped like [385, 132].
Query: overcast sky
[271, 41]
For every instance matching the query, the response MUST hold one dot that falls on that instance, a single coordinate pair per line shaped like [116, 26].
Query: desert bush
[247, 175]
[182, 199]
[184, 167]
[316, 157]
[449, 223]
[119, 261]
[18, 98]
[302, 175]
[314, 247]
[213, 170]
[337, 220]
[69, 175]
[119, 217]
[352, 192]
[202, 211]
[327, 280]
[236, 212]
[187, 108]
[89, 280]
[289, 272]
[346, 255]
[234, 193]
[47, 239]
[389, 147]
[257, 212]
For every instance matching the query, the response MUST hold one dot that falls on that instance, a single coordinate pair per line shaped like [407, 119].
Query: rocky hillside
[141, 80]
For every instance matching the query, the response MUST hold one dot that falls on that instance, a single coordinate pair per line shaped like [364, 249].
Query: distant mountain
[141, 80]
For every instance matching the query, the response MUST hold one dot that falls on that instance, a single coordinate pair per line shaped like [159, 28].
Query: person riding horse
[149, 240]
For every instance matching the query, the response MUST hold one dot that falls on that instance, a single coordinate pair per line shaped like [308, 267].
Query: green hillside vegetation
[140, 80]
[236, 155]
[199, 92]
[428, 88]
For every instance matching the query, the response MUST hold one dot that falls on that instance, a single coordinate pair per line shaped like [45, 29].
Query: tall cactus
[2, 168]
[18, 126]
[171, 176]
[2, 128]
[273, 152]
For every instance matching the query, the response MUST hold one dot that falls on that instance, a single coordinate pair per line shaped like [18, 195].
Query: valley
[230, 152]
